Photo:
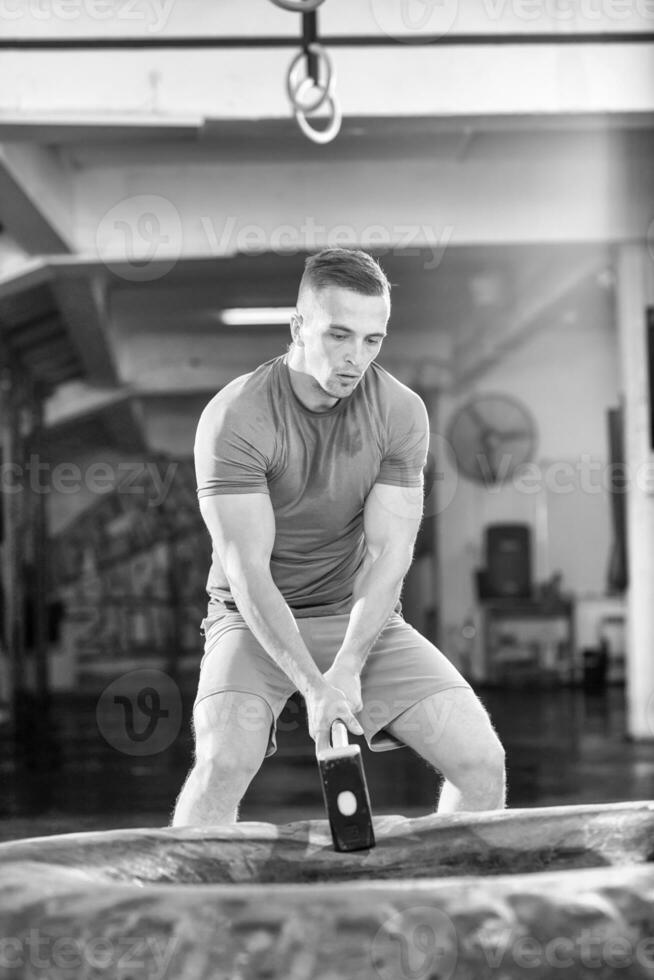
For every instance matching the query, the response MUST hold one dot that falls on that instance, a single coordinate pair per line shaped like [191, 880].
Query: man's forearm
[271, 621]
[375, 594]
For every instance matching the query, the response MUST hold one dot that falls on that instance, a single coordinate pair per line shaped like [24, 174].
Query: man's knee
[226, 769]
[484, 759]
[493, 756]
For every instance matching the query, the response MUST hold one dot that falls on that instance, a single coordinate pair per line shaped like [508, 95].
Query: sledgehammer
[345, 791]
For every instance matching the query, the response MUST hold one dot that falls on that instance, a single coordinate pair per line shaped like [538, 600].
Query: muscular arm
[391, 520]
[242, 528]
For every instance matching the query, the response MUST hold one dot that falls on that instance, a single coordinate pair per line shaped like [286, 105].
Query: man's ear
[296, 326]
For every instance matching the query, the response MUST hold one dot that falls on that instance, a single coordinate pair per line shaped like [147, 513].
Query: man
[309, 477]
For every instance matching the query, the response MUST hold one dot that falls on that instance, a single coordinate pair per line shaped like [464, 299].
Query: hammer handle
[339, 734]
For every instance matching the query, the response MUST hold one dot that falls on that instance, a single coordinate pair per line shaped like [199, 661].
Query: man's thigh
[232, 730]
[235, 663]
[451, 730]
[403, 669]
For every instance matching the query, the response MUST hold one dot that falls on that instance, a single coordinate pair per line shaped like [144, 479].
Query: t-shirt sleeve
[407, 444]
[231, 454]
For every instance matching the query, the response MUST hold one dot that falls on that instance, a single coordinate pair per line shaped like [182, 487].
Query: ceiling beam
[34, 272]
[79, 311]
[117, 412]
[36, 198]
[80, 401]
[421, 80]
[204, 298]
[125, 425]
[96, 127]
[82, 303]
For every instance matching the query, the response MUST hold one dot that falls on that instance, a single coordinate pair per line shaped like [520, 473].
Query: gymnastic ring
[298, 6]
[293, 90]
[321, 135]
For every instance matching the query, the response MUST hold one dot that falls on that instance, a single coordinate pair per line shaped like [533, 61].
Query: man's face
[341, 332]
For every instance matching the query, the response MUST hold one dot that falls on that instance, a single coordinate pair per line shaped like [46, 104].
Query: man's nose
[355, 355]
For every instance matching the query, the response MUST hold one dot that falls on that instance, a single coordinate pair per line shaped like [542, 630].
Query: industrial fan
[491, 436]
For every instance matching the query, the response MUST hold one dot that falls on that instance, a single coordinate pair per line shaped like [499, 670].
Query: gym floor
[564, 746]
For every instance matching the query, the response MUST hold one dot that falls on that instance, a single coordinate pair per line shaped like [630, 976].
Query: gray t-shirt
[256, 436]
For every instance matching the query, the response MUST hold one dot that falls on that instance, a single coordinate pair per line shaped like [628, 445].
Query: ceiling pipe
[339, 41]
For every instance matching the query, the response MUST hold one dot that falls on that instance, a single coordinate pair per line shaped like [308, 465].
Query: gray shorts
[402, 668]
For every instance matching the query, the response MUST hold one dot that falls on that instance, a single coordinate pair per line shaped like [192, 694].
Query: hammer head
[345, 792]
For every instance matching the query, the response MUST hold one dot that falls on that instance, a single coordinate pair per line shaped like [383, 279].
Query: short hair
[349, 268]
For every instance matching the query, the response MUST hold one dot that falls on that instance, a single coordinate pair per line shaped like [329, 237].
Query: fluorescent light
[253, 316]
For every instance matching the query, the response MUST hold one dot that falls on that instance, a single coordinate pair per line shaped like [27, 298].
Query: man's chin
[331, 388]
[337, 387]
